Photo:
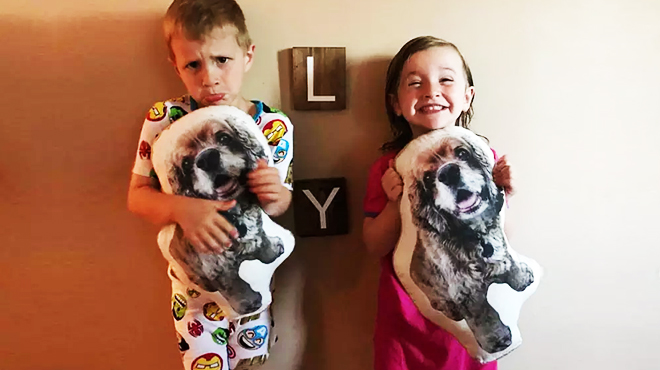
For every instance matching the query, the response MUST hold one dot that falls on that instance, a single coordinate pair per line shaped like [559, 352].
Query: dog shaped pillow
[207, 154]
[453, 258]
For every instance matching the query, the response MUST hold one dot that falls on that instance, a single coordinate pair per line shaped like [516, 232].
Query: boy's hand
[204, 228]
[502, 175]
[392, 183]
[265, 183]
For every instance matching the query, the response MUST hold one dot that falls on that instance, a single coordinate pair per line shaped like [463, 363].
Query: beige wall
[569, 89]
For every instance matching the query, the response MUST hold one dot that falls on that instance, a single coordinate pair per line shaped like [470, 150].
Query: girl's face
[433, 89]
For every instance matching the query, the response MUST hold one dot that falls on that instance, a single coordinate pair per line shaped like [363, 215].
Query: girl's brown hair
[400, 127]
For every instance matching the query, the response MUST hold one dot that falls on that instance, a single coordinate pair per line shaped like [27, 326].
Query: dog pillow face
[207, 154]
[453, 258]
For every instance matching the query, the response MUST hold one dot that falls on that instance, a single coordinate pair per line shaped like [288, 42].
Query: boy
[211, 50]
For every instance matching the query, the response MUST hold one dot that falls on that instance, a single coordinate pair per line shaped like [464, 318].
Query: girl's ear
[395, 104]
[469, 95]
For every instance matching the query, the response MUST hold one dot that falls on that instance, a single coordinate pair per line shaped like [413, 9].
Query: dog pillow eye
[223, 138]
[462, 153]
[453, 258]
[187, 163]
[429, 178]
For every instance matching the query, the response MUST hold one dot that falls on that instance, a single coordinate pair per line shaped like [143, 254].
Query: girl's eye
[414, 83]
[446, 80]
[222, 60]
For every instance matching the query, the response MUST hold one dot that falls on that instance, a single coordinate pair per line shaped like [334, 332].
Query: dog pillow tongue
[465, 200]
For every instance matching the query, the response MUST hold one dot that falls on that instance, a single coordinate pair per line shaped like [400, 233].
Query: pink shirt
[404, 339]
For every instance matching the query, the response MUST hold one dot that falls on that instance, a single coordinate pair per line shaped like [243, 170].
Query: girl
[429, 86]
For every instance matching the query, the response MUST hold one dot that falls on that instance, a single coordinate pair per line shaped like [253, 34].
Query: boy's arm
[145, 200]
[273, 185]
[207, 230]
[273, 196]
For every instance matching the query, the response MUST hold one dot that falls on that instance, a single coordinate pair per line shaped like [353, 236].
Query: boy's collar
[259, 108]
[258, 105]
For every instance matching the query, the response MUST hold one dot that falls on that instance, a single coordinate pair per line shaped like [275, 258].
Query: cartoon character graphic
[220, 336]
[254, 361]
[274, 131]
[183, 345]
[275, 110]
[253, 338]
[207, 361]
[192, 293]
[247, 319]
[230, 352]
[157, 112]
[181, 99]
[213, 312]
[281, 151]
[289, 174]
[176, 113]
[145, 150]
[179, 306]
[195, 328]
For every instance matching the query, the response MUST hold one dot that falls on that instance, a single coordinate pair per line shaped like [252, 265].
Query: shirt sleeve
[157, 118]
[279, 133]
[375, 198]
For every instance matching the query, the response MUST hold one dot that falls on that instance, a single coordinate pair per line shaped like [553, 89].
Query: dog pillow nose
[450, 174]
[208, 160]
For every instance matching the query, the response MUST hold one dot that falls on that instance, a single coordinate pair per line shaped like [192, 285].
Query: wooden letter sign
[319, 78]
[319, 207]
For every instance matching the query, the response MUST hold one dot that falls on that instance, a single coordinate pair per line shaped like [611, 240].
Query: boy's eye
[222, 60]
[192, 65]
[414, 83]
[446, 80]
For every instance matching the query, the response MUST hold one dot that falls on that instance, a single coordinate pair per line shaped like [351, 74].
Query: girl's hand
[392, 183]
[203, 226]
[502, 175]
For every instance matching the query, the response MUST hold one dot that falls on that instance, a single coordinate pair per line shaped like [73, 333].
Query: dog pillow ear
[208, 154]
[453, 258]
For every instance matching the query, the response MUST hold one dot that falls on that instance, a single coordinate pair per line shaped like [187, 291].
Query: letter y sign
[319, 207]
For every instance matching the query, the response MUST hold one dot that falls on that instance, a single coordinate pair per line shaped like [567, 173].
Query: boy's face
[212, 68]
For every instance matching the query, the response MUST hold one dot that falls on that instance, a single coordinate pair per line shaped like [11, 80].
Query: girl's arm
[381, 233]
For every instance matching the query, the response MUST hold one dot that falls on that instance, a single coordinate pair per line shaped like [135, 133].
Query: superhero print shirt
[273, 123]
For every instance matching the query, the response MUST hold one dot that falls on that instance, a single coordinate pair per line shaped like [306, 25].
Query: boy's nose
[211, 77]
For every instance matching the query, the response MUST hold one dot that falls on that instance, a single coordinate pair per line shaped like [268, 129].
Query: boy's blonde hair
[197, 18]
